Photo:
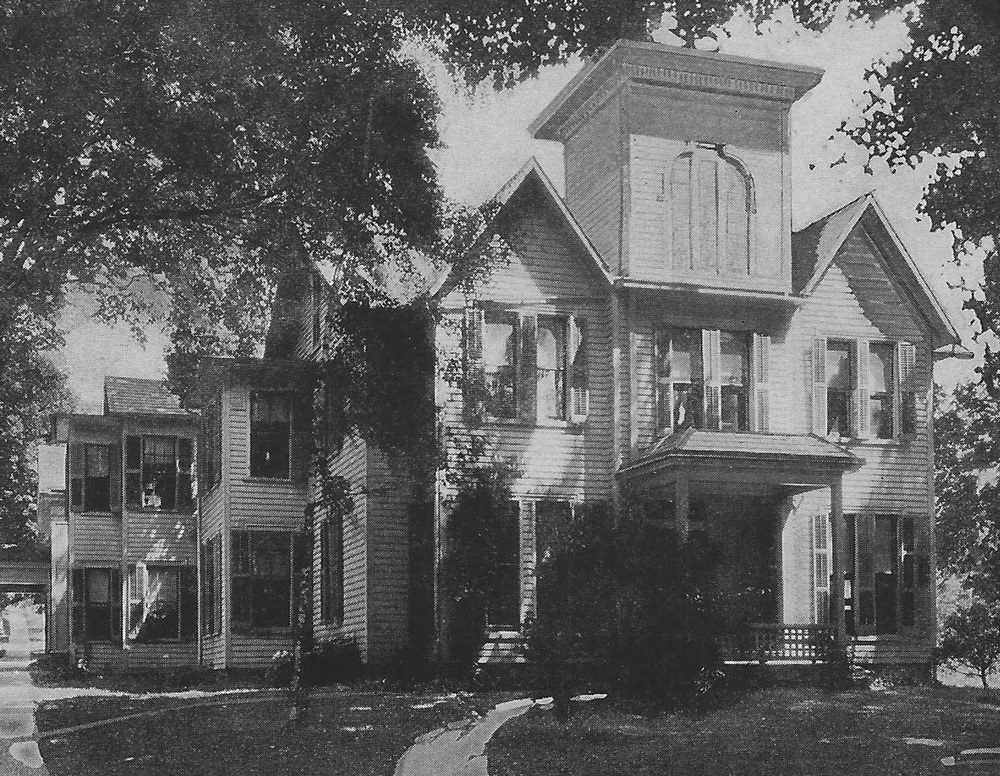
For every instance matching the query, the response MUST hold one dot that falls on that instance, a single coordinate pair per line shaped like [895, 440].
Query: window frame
[138, 599]
[848, 393]
[81, 486]
[523, 383]
[81, 605]
[863, 602]
[184, 498]
[211, 586]
[707, 387]
[332, 592]
[889, 395]
[257, 582]
[258, 428]
[496, 578]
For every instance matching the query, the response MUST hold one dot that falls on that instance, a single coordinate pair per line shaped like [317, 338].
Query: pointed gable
[543, 253]
[859, 239]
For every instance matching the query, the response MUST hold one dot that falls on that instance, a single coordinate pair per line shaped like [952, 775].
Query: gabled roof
[139, 396]
[815, 248]
[530, 174]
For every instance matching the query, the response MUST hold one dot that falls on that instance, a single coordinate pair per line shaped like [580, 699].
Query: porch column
[837, 562]
[682, 498]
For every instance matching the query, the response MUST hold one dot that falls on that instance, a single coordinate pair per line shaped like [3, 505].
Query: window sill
[263, 478]
[154, 511]
[576, 425]
[260, 630]
[94, 512]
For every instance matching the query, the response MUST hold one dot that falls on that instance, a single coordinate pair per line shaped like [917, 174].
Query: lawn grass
[768, 733]
[347, 732]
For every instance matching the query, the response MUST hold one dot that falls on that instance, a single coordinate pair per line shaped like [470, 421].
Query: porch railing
[765, 642]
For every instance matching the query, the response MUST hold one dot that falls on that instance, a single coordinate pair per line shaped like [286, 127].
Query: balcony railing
[765, 642]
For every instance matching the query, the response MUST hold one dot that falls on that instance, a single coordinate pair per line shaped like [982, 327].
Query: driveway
[18, 697]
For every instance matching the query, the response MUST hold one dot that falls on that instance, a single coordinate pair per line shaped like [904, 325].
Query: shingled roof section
[720, 444]
[139, 396]
[811, 245]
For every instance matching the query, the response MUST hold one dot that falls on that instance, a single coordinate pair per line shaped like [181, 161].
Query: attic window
[711, 200]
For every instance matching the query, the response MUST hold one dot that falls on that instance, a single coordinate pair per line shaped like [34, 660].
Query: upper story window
[841, 369]
[708, 379]
[270, 434]
[158, 472]
[864, 389]
[210, 449]
[90, 479]
[525, 366]
[711, 211]
[500, 363]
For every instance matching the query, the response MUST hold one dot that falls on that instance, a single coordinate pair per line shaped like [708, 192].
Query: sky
[485, 142]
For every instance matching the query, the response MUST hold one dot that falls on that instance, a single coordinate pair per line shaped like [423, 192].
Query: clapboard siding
[142, 657]
[159, 536]
[352, 464]
[388, 556]
[594, 179]
[95, 538]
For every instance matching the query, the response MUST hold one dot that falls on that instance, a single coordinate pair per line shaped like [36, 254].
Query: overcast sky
[486, 142]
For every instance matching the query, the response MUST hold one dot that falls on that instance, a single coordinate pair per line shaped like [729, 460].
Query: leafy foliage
[634, 599]
[967, 464]
[473, 557]
[971, 638]
[938, 99]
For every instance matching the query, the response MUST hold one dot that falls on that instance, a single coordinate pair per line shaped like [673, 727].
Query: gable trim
[500, 200]
[917, 290]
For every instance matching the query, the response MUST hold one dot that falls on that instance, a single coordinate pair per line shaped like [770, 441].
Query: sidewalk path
[18, 700]
[460, 748]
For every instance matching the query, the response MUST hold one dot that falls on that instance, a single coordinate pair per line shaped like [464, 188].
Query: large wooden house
[659, 338]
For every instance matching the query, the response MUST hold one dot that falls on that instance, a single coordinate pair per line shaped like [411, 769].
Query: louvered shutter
[76, 472]
[579, 393]
[906, 356]
[819, 424]
[116, 605]
[761, 383]
[526, 391]
[115, 477]
[862, 396]
[821, 568]
[472, 352]
[300, 439]
[187, 582]
[712, 370]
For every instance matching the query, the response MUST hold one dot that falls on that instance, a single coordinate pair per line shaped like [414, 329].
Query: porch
[741, 494]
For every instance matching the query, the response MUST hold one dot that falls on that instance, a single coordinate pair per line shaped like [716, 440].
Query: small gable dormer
[677, 164]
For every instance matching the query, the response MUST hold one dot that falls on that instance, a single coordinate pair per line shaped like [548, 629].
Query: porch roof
[744, 449]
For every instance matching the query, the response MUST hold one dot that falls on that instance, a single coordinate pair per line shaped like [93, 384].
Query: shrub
[409, 667]
[333, 662]
[280, 670]
[630, 603]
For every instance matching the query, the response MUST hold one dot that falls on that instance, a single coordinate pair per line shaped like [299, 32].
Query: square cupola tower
[677, 164]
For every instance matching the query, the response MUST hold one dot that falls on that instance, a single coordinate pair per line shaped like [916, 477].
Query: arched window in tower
[711, 203]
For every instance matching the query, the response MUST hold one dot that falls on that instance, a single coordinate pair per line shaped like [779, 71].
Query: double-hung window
[90, 484]
[159, 472]
[97, 604]
[526, 366]
[211, 586]
[332, 568]
[270, 434]
[706, 379]
[882, 389]
[864, 389]
[500, 363]
[264, 565]
[840, 376]
[162, 602]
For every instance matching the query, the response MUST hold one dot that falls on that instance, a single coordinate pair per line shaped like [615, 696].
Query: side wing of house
[858, 360]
